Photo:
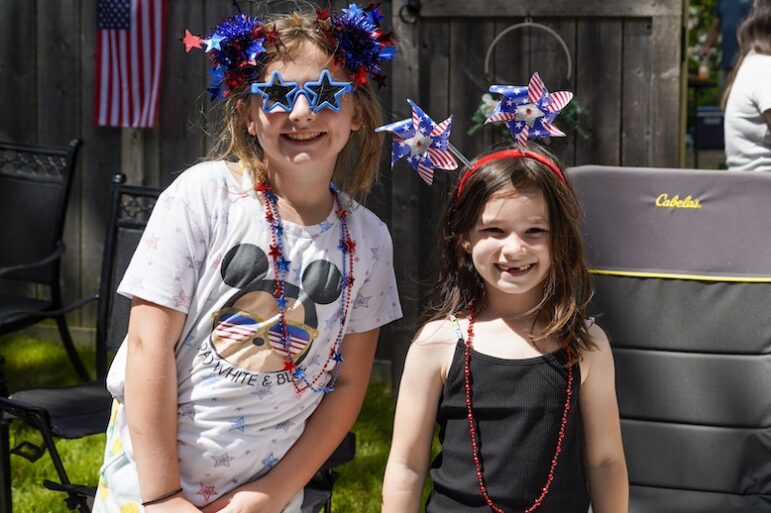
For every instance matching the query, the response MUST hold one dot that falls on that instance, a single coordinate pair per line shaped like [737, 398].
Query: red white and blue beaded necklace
[300, 379]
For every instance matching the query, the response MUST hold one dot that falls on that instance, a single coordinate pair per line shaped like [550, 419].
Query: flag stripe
[442, 159]
[128, 64]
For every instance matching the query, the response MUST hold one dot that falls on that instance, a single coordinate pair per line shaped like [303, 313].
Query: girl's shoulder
[204, 175]
[363, 216]
[438, 332]
[434, 345]
[597, 356]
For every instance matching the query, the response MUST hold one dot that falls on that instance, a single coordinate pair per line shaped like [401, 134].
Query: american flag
[129, 46]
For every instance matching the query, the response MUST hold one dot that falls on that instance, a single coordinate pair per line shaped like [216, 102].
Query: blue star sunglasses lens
[280, 96]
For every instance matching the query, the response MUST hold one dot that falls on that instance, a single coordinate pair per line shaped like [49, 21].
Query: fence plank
[18, 120]
[558, 8]
[598, 68]
[547, 57]
[665, 90]
[58, 111]
[435, 72]
[636, 115]
[180, 135]
[404, 200]
[99, 160]
[469, 41]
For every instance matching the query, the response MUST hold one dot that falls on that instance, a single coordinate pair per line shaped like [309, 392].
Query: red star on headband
[191, 41]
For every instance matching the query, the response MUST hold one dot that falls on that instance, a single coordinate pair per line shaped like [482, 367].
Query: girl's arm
[605, 463]
[151, 402]
[419, 393]
[324, 431]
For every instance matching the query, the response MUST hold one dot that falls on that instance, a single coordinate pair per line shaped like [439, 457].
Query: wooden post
[404, 198]
[132, 155]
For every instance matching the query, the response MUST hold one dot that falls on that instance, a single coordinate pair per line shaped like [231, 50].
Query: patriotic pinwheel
[529, 111]
[422, 142]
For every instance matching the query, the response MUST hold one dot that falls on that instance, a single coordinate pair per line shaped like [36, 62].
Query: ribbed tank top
[518, 406]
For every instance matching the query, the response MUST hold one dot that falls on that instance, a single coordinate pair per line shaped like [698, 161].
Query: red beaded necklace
[300, 379]
[475, 436]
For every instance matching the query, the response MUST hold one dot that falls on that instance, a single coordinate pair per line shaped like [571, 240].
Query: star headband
[361, 45]
[236, 48]
[280, 96]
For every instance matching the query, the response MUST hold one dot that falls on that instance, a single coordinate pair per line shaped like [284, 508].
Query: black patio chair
[84, 410]
[35, 184]
[318, 493]
[81, 410]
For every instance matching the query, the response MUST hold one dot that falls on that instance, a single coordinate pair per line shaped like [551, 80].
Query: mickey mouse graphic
[246, 331]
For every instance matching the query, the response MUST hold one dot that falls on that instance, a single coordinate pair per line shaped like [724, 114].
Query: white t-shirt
[205, 253]
[747, 136]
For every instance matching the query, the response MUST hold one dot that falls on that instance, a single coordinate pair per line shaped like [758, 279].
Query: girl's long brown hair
[754, 35]
[568, 287]
[357, 165]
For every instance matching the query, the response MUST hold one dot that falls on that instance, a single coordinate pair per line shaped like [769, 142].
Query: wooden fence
[626, 72]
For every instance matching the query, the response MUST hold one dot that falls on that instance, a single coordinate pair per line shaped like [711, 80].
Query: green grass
[31, 363]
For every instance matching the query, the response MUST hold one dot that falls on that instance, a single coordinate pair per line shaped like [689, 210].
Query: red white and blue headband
[528, 111]
[236, 47]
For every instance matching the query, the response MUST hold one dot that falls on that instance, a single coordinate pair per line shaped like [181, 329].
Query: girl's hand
[176, 504]
[248, 498]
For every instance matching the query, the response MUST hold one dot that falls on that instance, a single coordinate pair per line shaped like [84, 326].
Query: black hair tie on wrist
[162, 498]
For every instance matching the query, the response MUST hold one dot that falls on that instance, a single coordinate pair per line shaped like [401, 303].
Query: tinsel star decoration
[529, 111]
[233, 49]
[422, 142]
[361, 44]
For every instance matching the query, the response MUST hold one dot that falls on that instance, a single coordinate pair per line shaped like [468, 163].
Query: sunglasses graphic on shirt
[238, 326]
[280, 96]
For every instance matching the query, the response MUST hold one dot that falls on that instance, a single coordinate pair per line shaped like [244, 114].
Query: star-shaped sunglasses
[280, 96]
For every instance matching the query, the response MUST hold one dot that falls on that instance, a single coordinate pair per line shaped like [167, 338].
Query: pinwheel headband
[237, 47]
[528, 111]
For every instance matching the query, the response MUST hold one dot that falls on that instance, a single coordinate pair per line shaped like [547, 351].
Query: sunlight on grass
[32, 363]
[37, 363]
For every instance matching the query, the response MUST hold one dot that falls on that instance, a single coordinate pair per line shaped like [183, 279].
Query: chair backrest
[682, 264]
[130, 210]
[35, 185]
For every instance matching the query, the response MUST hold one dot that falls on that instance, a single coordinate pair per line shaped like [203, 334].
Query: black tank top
[518, 407]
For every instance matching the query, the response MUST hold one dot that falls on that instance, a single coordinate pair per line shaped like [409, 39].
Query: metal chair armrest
[53, 256]
[51, 313]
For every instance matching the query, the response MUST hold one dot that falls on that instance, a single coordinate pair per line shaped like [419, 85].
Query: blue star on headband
[324, 93]
[529, 111]
[425, 144]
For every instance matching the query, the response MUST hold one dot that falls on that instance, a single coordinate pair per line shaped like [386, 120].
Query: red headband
[508, 154]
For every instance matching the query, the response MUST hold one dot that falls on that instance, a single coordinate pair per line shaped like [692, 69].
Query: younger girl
[258, 287]
[508, 365]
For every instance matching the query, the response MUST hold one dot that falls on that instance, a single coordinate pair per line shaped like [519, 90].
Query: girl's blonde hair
[357, 165]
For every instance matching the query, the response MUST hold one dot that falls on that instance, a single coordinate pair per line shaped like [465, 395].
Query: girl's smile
[294, 139]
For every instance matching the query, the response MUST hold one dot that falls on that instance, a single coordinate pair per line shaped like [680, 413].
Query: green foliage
[700, 16]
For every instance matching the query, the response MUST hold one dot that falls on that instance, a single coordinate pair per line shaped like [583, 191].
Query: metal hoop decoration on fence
[525, 24]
